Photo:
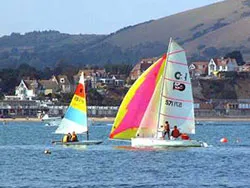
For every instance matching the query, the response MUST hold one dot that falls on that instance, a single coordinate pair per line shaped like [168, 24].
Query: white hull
[153, 142]
[85, 142]
[47, 118]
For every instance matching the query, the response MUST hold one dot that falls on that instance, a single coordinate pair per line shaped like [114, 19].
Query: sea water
[23, 162]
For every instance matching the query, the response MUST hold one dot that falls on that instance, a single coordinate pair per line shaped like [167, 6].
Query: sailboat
[162, 93]
[75, 118]
[51, 121]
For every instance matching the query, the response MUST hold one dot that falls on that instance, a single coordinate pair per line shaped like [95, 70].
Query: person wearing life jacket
[175, 132]
[184, 136]
[66, 138]
[74, 137]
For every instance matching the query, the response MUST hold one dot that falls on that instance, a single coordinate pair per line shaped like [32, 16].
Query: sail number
[78, 99]
[182, 77]
[173, 103]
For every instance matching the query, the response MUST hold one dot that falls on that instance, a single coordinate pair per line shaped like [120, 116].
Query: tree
[236, 55]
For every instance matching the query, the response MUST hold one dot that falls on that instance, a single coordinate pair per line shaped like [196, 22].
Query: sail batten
[174, 80]
[178, 63]
[177, 99]
[175, 52]
[177, 117]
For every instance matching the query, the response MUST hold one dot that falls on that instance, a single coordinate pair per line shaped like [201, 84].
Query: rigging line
[179, 81]
[178, 117]
[177, 99]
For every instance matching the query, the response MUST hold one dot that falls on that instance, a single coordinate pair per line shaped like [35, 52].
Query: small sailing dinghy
[75, 118]
[51, 121]
[162, 93]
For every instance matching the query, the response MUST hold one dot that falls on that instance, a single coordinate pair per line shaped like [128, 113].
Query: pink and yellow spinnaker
[75, 118]
[136, 101]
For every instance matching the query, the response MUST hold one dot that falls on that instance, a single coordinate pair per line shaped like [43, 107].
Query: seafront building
[25, 102]
[36, 109]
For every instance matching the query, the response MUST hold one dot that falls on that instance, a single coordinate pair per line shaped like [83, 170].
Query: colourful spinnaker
[136, 101]
[75, 118]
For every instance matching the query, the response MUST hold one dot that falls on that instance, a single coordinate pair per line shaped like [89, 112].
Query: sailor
[66, 138]
[74, 137]
[166, 130]
[175, 133]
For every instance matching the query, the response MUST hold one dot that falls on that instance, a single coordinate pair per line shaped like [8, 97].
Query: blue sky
[86, 16]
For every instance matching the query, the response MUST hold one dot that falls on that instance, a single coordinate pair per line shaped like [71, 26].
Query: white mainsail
[177, 97]
[172, 99]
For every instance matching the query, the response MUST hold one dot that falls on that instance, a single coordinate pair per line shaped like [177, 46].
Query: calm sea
[115, 164]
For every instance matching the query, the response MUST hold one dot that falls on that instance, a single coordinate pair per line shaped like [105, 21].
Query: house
[245, 68]
[112, 81]
[63, 83]
[93, 72]
[27, 89]
[221, 65]
[140, 67]
[198, 69]
[91, 76]
[49, 86]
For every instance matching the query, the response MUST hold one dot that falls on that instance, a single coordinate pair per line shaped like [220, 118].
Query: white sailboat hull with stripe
[154, 142]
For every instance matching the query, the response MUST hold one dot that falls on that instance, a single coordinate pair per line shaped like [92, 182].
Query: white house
[112, 81]
[26, 89]
[221, 64]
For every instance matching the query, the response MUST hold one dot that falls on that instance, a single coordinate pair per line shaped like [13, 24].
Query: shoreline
[111, 119]
[223, 119]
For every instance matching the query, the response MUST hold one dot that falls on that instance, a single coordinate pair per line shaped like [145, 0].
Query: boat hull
[86, 142]
[153, 142]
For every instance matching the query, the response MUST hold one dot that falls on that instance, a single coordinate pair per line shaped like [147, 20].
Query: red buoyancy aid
[175, 133]
[184, 136]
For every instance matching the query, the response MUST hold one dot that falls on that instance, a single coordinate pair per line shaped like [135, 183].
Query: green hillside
[44, 49]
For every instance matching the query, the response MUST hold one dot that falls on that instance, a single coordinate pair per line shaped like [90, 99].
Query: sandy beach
[95, 119]
[111, 119]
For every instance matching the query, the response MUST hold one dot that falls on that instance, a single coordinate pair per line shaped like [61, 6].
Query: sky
[86, 16]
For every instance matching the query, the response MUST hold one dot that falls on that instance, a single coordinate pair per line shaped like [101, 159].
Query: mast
[162, 85]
